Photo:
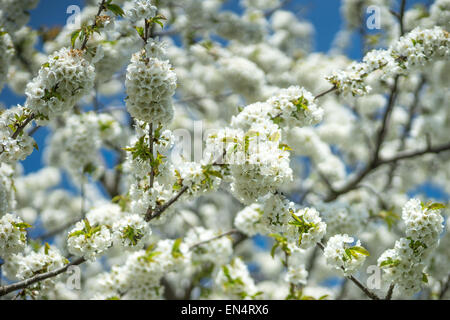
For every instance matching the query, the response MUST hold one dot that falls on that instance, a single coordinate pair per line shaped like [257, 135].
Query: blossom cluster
[413, 50]
[404, 264]
[150, 84]
[64, 79]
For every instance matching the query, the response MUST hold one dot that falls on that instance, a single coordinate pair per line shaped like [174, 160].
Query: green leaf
[74, 36]
[424, 277]
[22, 226]
[176, 252]
[46, 248]
[76, 233]
[389, 262]
[360, 250]
[114, 8]
[436, 206]
[140, 31]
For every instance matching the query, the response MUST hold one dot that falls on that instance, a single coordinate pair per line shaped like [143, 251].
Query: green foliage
[46, 248]
[302, 225]
[389, 263]
[150, 254]
[157, 19]
[301, 104]
[132, 234]
[432, 206]
[390, 217]
[22, 226]
[140, 150]
[280, 242]
[208, 171]
[114, 8]
[179, 183]
[354, 251]
[88, 231]
[176, 252]
[416, 244]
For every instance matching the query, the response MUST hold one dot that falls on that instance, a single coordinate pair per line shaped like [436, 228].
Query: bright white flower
[249, 220]
[14, 14]
[150, 84]
[141, 9]
[64, 79]
[306, 227]
[234, 281]
[6, 54]
[404, 264]
[130, 231]
[12, 150]
[422, 223]
[217, 251]
[341, 256]
[13, 235]
[295, 106]
[46, 259]
[297, 275]
[88, 241]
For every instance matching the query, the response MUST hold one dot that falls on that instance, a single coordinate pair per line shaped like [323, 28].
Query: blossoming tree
[312, 154]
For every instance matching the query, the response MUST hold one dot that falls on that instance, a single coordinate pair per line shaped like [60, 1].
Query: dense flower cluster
[342, 255]
[404, 264]
[6, 54]
[13, 149]
[88, 241]
[45, 259]
[64, 79]
[234, 281]
[140, 9]
[13, 235]
[150, 83]
[14, 14]
[413, 50]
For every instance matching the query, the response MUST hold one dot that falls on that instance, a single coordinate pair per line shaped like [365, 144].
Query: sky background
[323, 14]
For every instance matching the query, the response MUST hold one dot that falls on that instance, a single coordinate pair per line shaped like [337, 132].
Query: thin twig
[390, 292]
[86, 37]
[445, 288]
[325, 92]
[214, 238]
[22, 126]
[150, 142]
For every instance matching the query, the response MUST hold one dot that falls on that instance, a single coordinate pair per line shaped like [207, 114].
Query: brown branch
[390, 292]
[150, 142]
[407, 129]
[325, 92]
[374, 161]
[214, 238]
[150, 215]
[40, 277]
[415, 153]
[94, 24]
[22, 126]
[445, 288]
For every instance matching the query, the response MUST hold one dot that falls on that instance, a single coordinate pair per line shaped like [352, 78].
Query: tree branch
[25, 283]
[214, 238]
[390, 292]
